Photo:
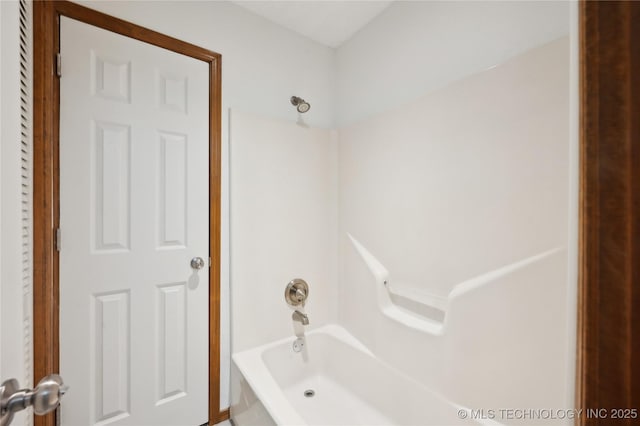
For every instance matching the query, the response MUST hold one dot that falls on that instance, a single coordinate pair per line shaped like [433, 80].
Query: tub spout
[300, 317]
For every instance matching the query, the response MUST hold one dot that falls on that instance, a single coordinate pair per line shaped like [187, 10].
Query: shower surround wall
[468, 181]
[466, 177]
[456, 160]
[284, 225]
[464, 181]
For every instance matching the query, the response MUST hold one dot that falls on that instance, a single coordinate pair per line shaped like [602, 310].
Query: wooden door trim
[608, 367]
[46, 118]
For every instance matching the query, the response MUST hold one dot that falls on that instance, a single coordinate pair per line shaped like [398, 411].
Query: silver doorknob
[47, 394]
[197, 263]
[44, 398]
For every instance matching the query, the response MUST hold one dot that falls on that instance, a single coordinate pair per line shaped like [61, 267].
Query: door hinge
[209, 262]
[58, 239]
[58, 64]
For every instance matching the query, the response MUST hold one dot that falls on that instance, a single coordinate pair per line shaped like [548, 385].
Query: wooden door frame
[608, 350]
[46, 117]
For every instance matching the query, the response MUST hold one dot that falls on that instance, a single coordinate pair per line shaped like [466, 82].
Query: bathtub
[350, 386]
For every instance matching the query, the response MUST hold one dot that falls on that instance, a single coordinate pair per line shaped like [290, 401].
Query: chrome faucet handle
[297, 292]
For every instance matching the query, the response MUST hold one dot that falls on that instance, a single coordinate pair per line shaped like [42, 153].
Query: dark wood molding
[128, 29]
[608, 367]
[46, 102]
[45, 196]
[224, 415]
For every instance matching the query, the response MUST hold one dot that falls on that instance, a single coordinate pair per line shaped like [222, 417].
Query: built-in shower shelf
[417, 295]
[418, 309]
[409, 306]
[417, 302]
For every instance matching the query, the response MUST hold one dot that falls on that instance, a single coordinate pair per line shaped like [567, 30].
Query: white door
[134, 211]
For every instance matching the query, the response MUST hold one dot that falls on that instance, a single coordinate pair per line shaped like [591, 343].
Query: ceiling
[328, 22]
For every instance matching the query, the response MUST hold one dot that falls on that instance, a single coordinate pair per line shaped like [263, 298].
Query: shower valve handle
[297, 292]
[300, 295]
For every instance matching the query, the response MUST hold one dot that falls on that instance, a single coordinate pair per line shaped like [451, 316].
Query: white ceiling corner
[327, 22]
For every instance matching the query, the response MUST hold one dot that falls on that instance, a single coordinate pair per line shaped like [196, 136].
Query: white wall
[262, 66]
[414, 47]
[12, 353]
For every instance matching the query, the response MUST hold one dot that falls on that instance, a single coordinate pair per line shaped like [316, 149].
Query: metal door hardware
[197, 263]
[44, 398]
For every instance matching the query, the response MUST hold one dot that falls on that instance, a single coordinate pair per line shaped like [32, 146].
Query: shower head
[301, 105]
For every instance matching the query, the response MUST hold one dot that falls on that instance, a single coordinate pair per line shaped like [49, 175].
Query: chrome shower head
[301, 105]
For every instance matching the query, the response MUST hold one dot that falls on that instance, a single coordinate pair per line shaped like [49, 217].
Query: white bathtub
[351, 386]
